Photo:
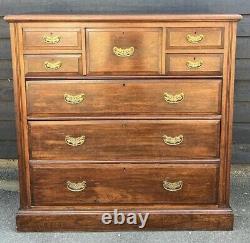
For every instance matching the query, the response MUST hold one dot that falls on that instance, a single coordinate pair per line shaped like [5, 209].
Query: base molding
[173, 219]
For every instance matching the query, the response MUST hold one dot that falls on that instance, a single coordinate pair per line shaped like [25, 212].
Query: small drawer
[97, 98]
[195, 38]
[135, 51]
[79, 184]
[52, 38]
[194, 64]
[124, 140]
[53, 64]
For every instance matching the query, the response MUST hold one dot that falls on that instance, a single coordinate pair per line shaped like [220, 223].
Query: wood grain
[133, 97]
[124, 140]
[146, 58]
[123, 184]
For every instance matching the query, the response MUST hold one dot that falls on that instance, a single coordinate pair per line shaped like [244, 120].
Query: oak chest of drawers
[130, 112]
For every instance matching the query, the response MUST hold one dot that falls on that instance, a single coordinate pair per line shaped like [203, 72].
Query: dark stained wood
[212, 38]
[35, 64]
[176, 64]
[114, 97]
[145, 59]
[124, 140]
[68, 38]
[123, 184]
[126, 147]
[159, 219]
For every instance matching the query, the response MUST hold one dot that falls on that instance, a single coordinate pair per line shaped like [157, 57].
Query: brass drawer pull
[173, 99]
[74, 99]
[194, 64]
[71, 141]
[172, 186]
[173, 140]
[51, 39]
[53, 65]
[123, 52]
[76, 186]
[194, 39]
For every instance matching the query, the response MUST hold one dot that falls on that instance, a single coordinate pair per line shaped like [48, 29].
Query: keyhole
[123, 85]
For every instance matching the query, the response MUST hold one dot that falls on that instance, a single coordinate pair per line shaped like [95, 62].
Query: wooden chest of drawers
[130, 112]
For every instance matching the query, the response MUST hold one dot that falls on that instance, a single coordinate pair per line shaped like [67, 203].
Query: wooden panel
[123, 184]
[243, 47]
[7, 130]
[7, 111]
[52, 38]
[242, 112]
[5, 69]
[244, 26]
[124, 140]
[8, 149]
[201, 37]
[144, 45]
[241, 153]
[57, 64]
[242, 90]
[204, 64]
[125, 6]
[160, 219]
[47, 98]
[4, 29]
[242, 69]
[4, 49]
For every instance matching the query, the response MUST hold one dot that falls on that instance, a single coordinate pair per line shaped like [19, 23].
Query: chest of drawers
[125, 112]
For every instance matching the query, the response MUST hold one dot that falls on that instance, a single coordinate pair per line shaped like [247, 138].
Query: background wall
[241, 134]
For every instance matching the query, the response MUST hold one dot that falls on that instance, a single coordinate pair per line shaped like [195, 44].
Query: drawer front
[195, 38]
[104, 98]
[52, 38]
[102, 184]
[127, 51]
[124, 140]
[194, 64]
[53, 64]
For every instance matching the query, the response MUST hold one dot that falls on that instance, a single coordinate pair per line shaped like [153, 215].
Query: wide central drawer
[124, 140]
[79, 184]
[118, 97]
[123, 51]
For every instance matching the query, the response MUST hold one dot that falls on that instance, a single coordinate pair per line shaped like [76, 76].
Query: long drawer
[124, 140]
[118, 97]
[79, 184]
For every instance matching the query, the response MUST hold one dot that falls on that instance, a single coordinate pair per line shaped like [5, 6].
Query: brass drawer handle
[194, 39]
[53, 65]
[71, 141]
[76, 186]
[172, 186]
[173, 140]
[194, 64]
[123, 52]
[74, 99]
[51, 39]
[173, 99]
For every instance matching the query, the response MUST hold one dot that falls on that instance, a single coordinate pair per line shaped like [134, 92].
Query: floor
[241, 234]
